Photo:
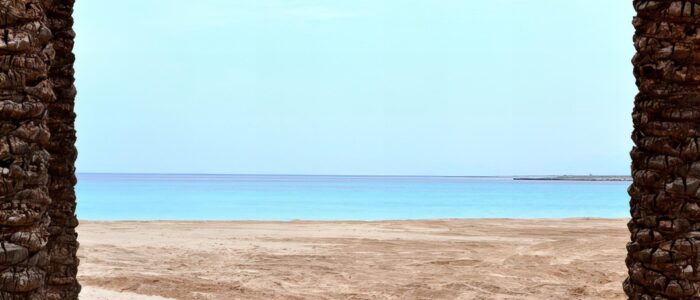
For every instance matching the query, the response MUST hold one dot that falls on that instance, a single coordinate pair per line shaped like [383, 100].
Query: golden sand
[437, 259]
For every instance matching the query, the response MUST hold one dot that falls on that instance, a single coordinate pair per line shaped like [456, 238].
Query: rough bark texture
[25, 92]
[665, 197]
[63, 244]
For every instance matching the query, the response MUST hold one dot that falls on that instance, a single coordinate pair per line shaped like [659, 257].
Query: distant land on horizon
[576, 178]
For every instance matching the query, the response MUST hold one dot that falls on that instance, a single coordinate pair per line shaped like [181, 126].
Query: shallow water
[282, 197]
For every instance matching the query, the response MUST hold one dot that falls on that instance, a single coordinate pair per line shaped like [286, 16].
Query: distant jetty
[576, 178]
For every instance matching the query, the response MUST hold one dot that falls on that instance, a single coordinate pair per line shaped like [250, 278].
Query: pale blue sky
[404, 87]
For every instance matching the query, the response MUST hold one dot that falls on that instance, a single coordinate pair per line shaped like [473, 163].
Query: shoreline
[305, 221]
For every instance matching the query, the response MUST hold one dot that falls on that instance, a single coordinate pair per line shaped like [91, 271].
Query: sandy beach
[436, 259]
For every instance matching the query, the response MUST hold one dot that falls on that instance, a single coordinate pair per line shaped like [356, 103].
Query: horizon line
[342, 175]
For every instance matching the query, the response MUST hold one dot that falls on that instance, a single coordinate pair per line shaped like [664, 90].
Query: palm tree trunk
[63, 244]
[25, 92]
[662, 257]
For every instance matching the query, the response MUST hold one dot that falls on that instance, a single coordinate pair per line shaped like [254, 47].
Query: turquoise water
[273, 197]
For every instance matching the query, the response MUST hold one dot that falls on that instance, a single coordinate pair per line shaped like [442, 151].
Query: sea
[296, 197]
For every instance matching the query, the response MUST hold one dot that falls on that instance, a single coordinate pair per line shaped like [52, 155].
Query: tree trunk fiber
[662, 257]
[63, 244]
[37, 153]
[25, 93]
